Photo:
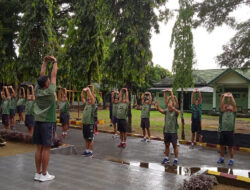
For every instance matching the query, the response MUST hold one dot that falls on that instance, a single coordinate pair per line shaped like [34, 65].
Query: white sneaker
[37, 177]
[46, 177]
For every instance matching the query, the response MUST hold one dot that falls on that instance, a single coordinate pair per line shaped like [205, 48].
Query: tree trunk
[129, 114]
[182, 117]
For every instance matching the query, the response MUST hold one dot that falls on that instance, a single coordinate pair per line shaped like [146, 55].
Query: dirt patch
[226, 187]
[13, 148]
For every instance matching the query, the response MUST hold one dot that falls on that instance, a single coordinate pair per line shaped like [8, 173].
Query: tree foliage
[213, 13]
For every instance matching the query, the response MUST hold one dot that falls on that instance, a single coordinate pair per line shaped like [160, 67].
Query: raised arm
[150, 98]
[166, 96]
[23, 92]
[33, 93]
[91, 96]
[193, 100]
[234, 103]
[159, 108]
[176, 102]
[113, 96]
[142, 98]
[222, 103]
[44, 66]
[200, 97]
[82, 95]
[13, 91]
[54, 70]
[28, 92]
[7, 92]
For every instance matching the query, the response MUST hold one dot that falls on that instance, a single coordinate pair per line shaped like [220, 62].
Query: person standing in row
[45, 119]
[196, 117]
[12, 106]
[21, 105]
[115, 101]
[122, 112]
[5, 107]
[64, 107]
[29, 109]
[145, 115]
[227, 127]
[170, 128]
[88, 121]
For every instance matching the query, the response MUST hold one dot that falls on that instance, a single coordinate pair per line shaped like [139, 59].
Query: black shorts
[29, 121]
[196, 126]
[145, 123]
[114, 120]
[88, 132]
[20, 109]
[64, 118]
[227, 138]
[170, 138]
[44, 133]
[122, 125]
[12, 113]
[5, 119]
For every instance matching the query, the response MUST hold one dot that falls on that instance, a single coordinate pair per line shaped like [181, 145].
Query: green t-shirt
[114, 109]
[196, 111]
[88, 114]
[5, 106]
[13, 103]
[122, 110]
[29, 107]
[170, 122]
[21, 102]
[145, 111]
[64, 107]
[228, 121]
[45, 104]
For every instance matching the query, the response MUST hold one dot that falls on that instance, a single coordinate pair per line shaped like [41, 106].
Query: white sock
[166, 157]
[200, 145]
[176, 159]
[90, 151]
[222, 158]
[232, 159]
[192, 144]
[87, 150]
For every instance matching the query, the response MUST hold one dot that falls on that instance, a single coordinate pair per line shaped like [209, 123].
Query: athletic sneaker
[144, 140]
[220, 161]
[37, 177]
[90, 154]
[175, 162]
[191, 146]
[124, 145]
[120, 145]
[148, 141]
[46, 177]
[231, 162]
[85, 153]
[165, 161]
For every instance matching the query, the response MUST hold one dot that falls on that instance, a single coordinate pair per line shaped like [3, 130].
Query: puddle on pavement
[180, 170]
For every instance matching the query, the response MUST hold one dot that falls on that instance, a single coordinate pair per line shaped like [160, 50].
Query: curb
[78, 125]
[229, 176]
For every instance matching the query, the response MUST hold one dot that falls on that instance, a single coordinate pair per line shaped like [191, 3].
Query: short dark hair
[42, 81]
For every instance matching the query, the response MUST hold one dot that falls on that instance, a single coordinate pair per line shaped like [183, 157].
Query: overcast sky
[206, 45]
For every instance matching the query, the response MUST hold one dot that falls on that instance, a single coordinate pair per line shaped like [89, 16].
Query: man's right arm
[44, 65]
[54, 71]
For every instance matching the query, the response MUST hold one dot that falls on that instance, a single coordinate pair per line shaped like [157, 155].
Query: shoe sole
[47, 180]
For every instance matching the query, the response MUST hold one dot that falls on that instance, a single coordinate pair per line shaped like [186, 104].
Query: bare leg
[143, 132]
[222, 149]
[115, 129]
[124, 136]
[91, 145]
[200, 138]
[45, 159]
[231, 151]
[193, 135]
[148, 131]
[38, 158]
[175, 150]
[167, 149]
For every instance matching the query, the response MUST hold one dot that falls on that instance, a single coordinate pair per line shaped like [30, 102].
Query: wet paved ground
[76, 172]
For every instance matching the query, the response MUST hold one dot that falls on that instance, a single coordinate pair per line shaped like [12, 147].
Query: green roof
[205, 77]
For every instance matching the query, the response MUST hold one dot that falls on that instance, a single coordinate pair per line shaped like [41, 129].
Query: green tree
[182, 39]
[130, 50]
[213, 13]
[36, 38]
[9, 10]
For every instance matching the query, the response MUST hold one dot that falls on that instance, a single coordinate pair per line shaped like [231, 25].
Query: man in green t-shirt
[21, 105]
[29, 109]
[64, 112]
[122, 111]
[12, 106]
[170, 128]
[227, 127]
[88, 120]
[196, 108]
[5, 107]
[45, 119]
[115, 101]
[145, 115]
